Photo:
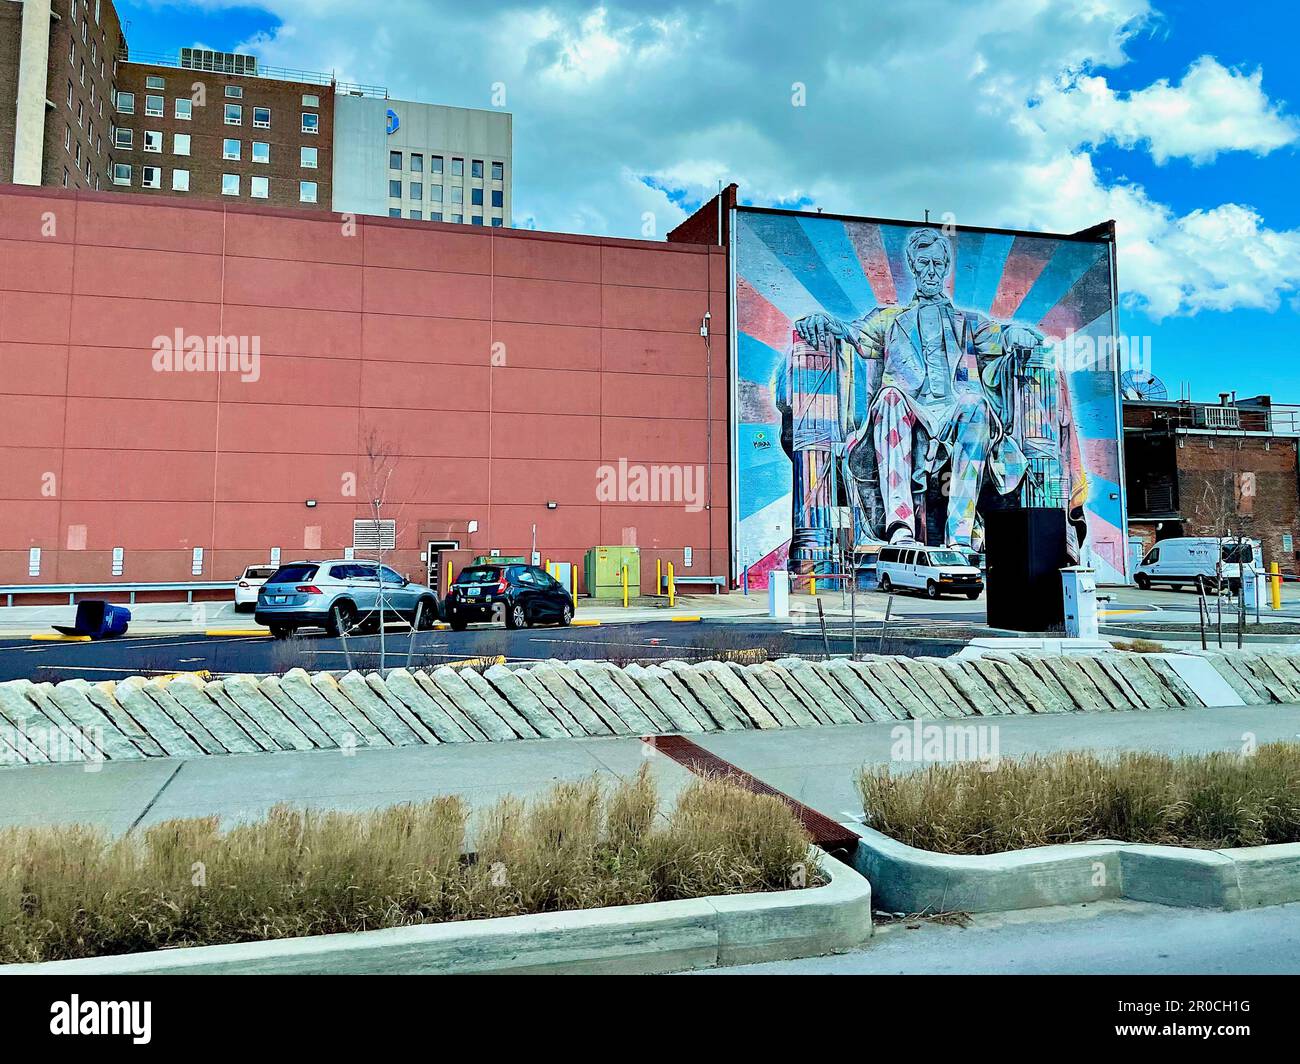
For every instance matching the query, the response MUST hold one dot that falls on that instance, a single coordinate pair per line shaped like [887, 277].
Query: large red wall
[389, 326]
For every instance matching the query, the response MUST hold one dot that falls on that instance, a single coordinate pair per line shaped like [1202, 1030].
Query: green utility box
[603, 571]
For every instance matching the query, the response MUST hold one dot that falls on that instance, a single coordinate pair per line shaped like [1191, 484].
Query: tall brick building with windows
[1199, 469]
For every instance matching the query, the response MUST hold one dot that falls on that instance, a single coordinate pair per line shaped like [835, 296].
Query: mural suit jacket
[889, 341]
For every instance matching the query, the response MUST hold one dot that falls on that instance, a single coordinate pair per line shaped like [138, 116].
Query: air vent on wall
[374, 535]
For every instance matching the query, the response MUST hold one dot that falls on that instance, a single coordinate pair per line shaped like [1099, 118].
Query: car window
[1153, 556]
[293, 574]
[256, 572]
[392, 577]
[528, 576]
[479, 574]
[946, 557]
[515, 574]
[1232, 553]
[364, 572]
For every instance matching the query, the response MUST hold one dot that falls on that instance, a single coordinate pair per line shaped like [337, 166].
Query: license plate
[278, 598]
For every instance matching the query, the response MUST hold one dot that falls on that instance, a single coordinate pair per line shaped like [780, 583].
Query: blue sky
[1176, 117]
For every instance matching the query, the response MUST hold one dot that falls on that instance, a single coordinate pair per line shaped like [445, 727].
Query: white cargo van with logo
[1185, 561]
[934, 570]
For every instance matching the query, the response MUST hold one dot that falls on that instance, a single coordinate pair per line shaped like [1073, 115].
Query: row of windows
[260, 152]
[416, 192]
[438, 216]
[259, 187]
[415, 160]
[156, 107]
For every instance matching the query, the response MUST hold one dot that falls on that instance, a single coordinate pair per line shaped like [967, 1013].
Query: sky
[1180, 119]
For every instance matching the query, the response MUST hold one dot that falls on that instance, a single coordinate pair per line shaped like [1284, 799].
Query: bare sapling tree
[1226, 508]
[382, 463]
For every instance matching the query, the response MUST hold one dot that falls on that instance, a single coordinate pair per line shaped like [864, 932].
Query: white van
[934, 570]
[1189, 559]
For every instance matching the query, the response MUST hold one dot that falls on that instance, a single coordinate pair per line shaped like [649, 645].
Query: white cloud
[988, 110]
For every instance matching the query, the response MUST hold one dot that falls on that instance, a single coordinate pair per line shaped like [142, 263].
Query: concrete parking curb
[628, 939]
[906, 879]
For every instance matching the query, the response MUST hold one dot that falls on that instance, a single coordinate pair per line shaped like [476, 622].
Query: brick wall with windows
[84, 40]
[194, 133]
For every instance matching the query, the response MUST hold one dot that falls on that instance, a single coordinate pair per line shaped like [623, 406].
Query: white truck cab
[1189, 560]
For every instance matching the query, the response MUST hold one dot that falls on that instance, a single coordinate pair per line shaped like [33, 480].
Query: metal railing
[306, 77]
[8, 591]
[1277, 420]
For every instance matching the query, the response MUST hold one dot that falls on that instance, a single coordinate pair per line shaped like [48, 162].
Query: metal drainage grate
[835, 839]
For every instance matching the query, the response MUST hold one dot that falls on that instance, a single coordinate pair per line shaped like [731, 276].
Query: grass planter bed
[1216, 830]
[582, 879]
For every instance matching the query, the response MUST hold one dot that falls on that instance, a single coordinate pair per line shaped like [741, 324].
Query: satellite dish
[1137, 385]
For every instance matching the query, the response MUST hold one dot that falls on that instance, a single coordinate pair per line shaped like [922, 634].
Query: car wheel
[972, 595]
[931, 589]
[457, 622]
[885, 585]
[516, 617]
[428, 610]
[342, 619]
[282, 631]
[1143, 581]
[1175, 587]
[566, 615]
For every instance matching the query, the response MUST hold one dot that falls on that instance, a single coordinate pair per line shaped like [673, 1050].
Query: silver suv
[341, 595]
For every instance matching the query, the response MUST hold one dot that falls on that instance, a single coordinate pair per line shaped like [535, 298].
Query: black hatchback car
[518, 594]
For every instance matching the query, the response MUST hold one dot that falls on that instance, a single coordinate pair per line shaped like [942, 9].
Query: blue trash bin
[97, 619]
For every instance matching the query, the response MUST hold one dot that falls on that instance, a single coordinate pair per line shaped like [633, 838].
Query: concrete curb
[625, 940]
[907, 879]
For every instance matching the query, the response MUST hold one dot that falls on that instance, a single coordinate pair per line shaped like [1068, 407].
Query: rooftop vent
[218, 62]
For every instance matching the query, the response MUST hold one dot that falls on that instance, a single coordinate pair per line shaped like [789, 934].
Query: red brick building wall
[502, 367]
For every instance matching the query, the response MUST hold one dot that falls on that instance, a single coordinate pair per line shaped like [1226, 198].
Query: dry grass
[1138, 646]
[1207, 800]
[72, 892]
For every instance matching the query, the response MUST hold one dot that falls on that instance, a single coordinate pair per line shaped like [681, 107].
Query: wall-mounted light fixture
[551, 505]
[311, 504]
[704, 325]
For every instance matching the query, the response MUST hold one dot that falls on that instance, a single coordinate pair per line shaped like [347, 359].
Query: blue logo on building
[393, 122]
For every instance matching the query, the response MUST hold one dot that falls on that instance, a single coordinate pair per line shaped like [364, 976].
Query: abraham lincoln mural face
[917, 380]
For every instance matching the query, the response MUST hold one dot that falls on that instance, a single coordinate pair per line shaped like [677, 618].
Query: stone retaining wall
[186, 716]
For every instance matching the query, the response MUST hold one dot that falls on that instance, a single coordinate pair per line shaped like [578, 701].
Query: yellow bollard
[812, 585]
[625, 587]
[1275, 585]
[659, 576]
[573, 586]
[450, 576]
[672, 587]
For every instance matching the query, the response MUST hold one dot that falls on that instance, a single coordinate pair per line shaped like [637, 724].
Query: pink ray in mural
[1024, 264]
[875, 263]
[761, 319]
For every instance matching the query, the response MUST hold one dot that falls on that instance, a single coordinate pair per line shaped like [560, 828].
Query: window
[415, 214]
[435, 193]
[394, 212]
[476, 168]
[259, 187]
[310, 100]
[152, 140]
[261, 118]
[307, 158]
[121, 173]
[477, 219]
[180, 144]
[230, 184]
[417, 190]
[184, 110]
[394, 160]
[154, 82]
[81, 113]
[67, 137]
[180, 180]
[230, 149]
[122, 138]
[307, 191]
[65, 177]
[234, 92]
[310, 123]
[497, 223]
[457, 217]
[151, 176]
[154, 106]
[82, 73]
[435, 164]
[457, 194]
[261, 152]
[498, 172]
[125, 102]
[458, 168]
[69, 92]
[417, 163]
[498, 198]
[476, 197]
[234, 114]
[435, 216]
[395, 189]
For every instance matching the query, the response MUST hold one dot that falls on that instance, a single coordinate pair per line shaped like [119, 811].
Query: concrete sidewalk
[121, 795]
